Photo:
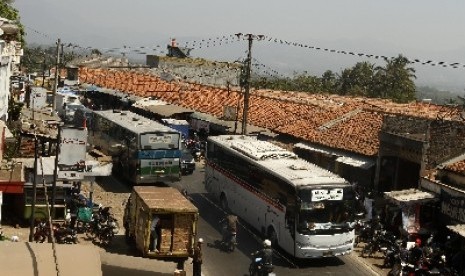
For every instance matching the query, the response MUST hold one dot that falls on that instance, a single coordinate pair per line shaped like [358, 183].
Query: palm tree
[395, 81]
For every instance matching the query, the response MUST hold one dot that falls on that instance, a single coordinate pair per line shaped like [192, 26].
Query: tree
[395, 81]
[344, 82]
[96, 52]
[10, 13]
[328, 81]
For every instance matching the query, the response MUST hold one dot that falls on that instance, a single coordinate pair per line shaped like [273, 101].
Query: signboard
[453, 207]
[327, 194]
[73, 143]
[229, 113]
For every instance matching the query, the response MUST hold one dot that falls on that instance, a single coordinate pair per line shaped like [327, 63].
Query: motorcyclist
[416, 252]
[229, 226]
[266, 255]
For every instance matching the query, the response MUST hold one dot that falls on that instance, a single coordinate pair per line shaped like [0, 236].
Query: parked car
[187, 162]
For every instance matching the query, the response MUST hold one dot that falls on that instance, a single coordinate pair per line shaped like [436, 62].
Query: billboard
[72, 157]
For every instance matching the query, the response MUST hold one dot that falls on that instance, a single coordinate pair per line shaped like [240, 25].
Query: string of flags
[233, 38]
[266, 70]
[413, 61]
[217, 41]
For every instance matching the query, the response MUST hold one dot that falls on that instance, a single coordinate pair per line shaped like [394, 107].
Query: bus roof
[134, 122]
[278, 161]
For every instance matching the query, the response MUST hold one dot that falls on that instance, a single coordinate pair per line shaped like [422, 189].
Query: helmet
[267, 243]
[200, 240]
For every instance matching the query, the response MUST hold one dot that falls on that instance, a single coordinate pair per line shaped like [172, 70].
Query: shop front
[410, 213]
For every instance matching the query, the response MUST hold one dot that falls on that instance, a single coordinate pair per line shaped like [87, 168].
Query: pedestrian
[368, 203]
[197, 260]
[154, 233]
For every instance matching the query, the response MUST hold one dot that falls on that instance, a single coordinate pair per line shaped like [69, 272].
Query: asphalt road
[119, 259]
[217, 262]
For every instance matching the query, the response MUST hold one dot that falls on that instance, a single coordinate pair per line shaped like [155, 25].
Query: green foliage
[8, 12]
[96, 52]
[14, 109]
[394, 81]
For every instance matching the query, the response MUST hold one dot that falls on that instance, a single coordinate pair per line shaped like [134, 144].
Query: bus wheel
[224, 203]
[273, 237]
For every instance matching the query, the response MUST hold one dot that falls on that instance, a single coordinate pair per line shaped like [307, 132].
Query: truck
[178, 218]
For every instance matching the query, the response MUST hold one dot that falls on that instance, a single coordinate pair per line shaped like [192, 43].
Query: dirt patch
[107, 191]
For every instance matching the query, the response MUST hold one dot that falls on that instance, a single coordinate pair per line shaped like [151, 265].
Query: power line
[228, 39]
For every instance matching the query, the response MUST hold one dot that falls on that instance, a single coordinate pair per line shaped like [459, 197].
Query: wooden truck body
[178, 221]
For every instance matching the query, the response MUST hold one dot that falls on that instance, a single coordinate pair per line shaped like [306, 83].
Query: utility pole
[43, 72]
[34, 192]
[55, 86]
[248, 64]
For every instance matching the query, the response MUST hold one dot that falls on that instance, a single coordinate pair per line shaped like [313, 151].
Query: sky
[428, 30]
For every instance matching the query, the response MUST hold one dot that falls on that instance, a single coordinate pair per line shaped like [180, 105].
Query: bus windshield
[325, 209]
[159, 141]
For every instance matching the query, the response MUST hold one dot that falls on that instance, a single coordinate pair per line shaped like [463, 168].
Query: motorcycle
[391, 253]
[363, 231]
[108, 230]
[41, 232]
[258, 268]
[65, 234]
[380, 242]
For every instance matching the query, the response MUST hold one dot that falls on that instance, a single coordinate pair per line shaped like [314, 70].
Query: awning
[410, 196]
[9, 137]
[347, 158]
[168, 110]
[458, 229]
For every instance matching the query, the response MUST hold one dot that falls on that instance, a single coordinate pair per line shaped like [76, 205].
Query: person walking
[229, 226]
[197, 260]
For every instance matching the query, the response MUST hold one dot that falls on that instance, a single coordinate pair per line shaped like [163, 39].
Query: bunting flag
[234, 38]
[410, 60]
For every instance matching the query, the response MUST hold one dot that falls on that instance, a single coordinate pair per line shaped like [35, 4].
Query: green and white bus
[143, 151]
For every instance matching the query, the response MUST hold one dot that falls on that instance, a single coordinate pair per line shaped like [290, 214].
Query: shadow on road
[109, 270]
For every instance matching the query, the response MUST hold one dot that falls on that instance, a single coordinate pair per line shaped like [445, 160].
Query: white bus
[304, 209]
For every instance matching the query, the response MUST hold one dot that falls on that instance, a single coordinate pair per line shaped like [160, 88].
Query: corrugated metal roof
[459, 229]
[348, 158]
[251, 129]
[168, 110]
[409, 195]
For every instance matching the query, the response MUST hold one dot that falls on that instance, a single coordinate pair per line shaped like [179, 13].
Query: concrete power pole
[247, 86]
[250, 38]
[55, 86]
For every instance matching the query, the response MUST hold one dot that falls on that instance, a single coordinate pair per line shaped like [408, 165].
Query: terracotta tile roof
[340, 122]
[457, 167]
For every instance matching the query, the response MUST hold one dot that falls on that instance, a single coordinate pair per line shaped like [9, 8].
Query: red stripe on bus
[246, 186]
